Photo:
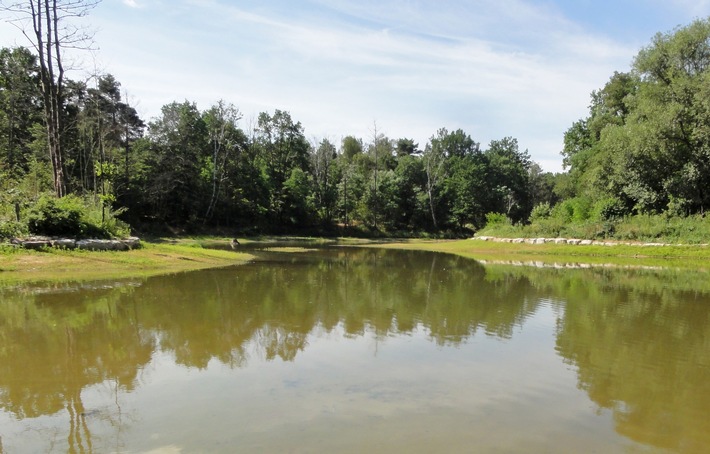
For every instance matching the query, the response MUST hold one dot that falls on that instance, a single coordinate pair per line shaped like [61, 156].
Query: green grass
[17, 266]
[694, 257]
[170, 256]
[643, 228]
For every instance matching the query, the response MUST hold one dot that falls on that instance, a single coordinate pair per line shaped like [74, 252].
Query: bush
[74, 217]
[497, 219]
[53, 216]
[609, 209]
[563, 212]
[104, 222]
[547, 227]
[686, 230]
[498, 224]
[11, 229]
[540, 211]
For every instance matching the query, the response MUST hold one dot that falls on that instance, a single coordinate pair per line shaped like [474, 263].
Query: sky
[493, 68]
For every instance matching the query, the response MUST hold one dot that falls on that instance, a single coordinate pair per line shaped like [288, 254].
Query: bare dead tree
[221, 122]
[47, 25]
[434, 164]
[375, 146]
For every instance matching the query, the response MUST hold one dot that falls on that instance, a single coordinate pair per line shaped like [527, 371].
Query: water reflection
[639, 341]
[645, 355]
[274, 306]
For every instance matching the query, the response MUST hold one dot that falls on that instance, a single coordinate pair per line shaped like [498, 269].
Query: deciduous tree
[49, 27]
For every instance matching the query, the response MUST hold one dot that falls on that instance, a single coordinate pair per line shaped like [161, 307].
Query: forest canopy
[644, 148]
[646, 141]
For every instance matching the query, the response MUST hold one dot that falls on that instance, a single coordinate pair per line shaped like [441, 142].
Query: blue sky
[494, 68]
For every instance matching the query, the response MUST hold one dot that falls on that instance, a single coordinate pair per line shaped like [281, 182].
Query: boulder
[68, 243]
[132, 242]
[36, 244]
[64, 243]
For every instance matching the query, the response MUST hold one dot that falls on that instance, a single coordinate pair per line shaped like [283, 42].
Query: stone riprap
[87, 244]
[572, 241]
[565, 265]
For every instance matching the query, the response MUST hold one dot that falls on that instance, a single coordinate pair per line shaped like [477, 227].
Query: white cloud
[493, 68]
[492, 88]
[698, 8]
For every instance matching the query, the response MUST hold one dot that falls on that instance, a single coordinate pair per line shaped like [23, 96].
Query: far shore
[510, 250]
[157, 257]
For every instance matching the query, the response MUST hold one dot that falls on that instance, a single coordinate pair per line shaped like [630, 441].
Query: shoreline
[559, 255]
[578, 242]
[19, 266]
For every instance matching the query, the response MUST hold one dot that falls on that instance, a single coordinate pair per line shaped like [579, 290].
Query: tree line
[643, 149]
[209, 168]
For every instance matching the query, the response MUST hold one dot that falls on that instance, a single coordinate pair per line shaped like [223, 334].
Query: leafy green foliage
[609, 209]
[54, 216]
[686, 230]
[497, 219]
[576, 209]
[645, 228]
[18, 112]
[644, 149]
[540, 211]
[11, 229]
[73, 217]
[646, 141]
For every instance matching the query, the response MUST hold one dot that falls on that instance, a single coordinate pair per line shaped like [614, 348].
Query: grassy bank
[691, 256]
[17, 266]
[642, 228]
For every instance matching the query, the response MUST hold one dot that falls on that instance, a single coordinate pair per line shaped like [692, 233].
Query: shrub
[75, 217]
[687, 230]
[576, 209]
[53, 216]
[678, 206]
[609, 209]
[498, 224]
[563, 211]
[540, 211]
[102, 220]
[497, 219]
[11, 229]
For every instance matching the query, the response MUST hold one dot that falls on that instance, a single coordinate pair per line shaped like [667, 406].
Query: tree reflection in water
[638, 339]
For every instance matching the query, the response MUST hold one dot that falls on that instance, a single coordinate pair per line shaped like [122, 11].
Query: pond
[360, 350]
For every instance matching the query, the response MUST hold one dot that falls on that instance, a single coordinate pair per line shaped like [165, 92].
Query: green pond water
[360, 350]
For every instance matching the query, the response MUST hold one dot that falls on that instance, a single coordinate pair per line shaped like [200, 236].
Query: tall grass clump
[683, 230]
[604, 219]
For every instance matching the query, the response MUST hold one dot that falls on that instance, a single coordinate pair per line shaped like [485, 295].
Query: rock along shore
[38, 242]
[572, 241]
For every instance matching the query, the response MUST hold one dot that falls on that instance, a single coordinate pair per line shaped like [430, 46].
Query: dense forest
[76, 158]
